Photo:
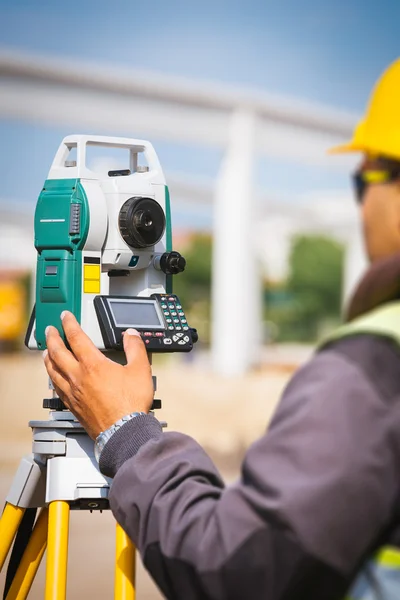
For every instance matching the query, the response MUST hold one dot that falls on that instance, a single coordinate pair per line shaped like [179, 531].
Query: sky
[315, 50]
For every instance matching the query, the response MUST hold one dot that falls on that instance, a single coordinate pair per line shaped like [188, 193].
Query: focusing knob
[54, 404]
[172, 263]
[141, 222]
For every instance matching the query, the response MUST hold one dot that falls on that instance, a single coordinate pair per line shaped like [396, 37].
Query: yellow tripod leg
[31, 559]
[57, 551]
[125, 567]
[9, 523]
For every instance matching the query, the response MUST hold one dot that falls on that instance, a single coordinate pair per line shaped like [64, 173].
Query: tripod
[60, 475]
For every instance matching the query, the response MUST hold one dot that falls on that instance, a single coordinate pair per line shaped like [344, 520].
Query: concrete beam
[106, 99]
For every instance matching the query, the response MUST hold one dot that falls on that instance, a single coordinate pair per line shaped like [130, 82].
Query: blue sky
[329, 52]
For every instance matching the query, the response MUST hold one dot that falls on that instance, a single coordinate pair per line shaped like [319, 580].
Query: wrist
[127, 441]
[104, 436]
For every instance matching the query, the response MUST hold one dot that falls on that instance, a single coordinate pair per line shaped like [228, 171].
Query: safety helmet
[378, 133]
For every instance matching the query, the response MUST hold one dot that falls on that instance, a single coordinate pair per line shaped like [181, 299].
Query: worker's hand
[96, 390]
[379, 285]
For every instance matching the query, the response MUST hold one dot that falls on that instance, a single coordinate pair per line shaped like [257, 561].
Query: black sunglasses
[385, 171]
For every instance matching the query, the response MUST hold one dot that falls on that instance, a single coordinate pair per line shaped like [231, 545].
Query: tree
[312, 294]
[315, 280]
[193, 286]
[299, 306]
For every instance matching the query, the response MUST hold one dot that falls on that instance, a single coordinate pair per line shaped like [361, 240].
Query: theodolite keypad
[172, 308]
[175, 333]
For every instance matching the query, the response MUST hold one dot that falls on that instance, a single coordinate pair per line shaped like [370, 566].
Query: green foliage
[193, 286]
[313, 289]
[300, 307]
[315, 276]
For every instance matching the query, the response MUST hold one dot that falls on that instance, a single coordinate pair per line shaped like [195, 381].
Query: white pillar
[236, 302]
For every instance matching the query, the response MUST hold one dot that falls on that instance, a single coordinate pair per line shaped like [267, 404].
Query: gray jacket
[318, 493]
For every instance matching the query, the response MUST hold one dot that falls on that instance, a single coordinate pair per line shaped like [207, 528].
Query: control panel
[160, 320]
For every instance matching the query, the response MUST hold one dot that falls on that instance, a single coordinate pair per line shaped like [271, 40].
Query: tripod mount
[61, 474]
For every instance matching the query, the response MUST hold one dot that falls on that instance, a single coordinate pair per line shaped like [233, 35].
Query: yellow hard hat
[379, 131]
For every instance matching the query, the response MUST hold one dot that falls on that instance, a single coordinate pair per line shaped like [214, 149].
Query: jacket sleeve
[315, 495]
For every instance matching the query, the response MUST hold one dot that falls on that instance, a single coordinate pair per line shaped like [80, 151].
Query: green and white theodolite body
[105, 250]
[104, 253]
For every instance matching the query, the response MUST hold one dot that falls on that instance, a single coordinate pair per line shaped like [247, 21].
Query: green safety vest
[380, 577]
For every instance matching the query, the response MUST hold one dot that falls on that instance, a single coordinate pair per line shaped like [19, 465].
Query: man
[319, 493]
[377, 136]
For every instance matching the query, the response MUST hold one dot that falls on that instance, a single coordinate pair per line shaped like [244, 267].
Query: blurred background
[242, 101]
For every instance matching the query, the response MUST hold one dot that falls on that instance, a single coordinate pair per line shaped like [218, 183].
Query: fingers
[59, 354]
[134, 348]
[82, 347]
[59, 381]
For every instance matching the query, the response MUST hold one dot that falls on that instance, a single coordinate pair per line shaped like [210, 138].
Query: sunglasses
[385, 172]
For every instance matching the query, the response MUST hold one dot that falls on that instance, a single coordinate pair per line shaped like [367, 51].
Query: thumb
[134, 347]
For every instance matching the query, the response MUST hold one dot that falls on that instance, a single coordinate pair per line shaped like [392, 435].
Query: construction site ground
[223, 414]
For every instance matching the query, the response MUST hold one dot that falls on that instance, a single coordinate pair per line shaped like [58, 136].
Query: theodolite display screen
[159, 319]
[136, 313]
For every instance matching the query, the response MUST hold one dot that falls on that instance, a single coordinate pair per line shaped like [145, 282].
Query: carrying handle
[61, 169]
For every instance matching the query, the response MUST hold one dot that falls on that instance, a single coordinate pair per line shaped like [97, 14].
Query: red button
[159, 334]
[171, 299]
[147, 333]
[147, 341]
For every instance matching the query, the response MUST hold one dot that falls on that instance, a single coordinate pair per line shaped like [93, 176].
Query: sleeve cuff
[127, 441]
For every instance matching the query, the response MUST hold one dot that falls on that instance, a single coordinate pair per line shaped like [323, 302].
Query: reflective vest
[379, 579]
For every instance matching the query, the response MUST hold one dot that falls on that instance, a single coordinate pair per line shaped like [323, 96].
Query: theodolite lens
[141, 222]
[143, 219]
